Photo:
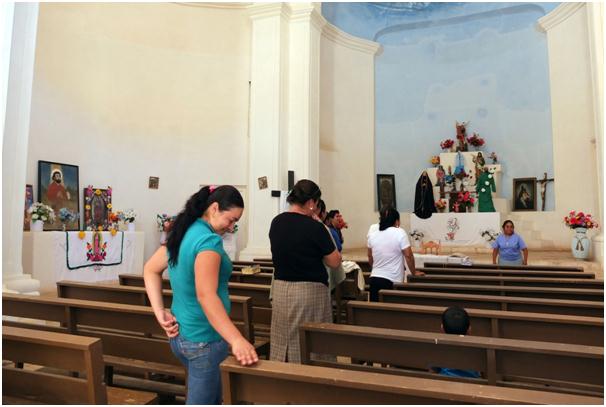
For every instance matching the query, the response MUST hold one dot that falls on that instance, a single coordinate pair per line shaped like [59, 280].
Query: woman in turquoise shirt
[198, 323]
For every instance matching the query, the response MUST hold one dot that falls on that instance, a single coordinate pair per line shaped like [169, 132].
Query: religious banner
[457, 229]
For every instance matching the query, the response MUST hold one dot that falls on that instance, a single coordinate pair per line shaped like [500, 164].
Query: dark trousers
[376, 284]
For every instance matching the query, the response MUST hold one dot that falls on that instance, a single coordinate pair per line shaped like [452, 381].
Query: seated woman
[509, 247]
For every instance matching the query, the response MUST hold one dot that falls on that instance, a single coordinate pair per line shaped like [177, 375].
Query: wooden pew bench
[504, 362]
[505, 273]
[508, 281]
[574, 294]
[271, 382]
[571, 329]
[488, 266]
[59, 352]
[495, 302]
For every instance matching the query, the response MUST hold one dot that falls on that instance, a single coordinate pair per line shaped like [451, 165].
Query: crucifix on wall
[291, 184]
[543, 185]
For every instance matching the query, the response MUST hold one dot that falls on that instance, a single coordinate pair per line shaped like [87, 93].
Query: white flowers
[42, 212]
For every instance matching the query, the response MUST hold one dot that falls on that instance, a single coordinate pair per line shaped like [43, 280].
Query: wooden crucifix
[291, 184]
[543, 182]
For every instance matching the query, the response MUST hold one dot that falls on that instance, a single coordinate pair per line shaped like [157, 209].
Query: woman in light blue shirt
[509, 247]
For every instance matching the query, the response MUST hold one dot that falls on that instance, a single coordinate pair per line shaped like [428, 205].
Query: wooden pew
[571, 329]
[501, 267]
[262, 263]
[136, 280]
[69, 353]
[505, 273]
[530, 292]
[495, 302]
[138, 296]
[509, 281]
[271, 382]
[264, 269]
[505, 362]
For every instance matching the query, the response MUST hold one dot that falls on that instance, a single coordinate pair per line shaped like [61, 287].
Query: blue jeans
[202, 360]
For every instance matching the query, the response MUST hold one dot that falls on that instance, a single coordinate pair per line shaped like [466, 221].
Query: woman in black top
[300, 245]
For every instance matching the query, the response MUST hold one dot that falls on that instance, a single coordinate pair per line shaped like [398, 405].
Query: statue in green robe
[485, 186]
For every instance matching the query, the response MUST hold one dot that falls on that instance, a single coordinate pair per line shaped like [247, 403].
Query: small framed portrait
[525, 194]
[58, 188]
[29, 201]
[154, 182]
[262, 182]
[386, 190]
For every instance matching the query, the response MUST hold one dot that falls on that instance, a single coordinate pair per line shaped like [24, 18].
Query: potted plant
[40, 214]
[580, 222]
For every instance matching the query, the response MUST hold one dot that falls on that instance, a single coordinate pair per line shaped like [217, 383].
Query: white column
[16, 113]
[269, 53]
[306, 24]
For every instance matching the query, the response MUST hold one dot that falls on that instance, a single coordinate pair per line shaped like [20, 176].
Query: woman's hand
[244, 352]
[168, 322]
[419, 273]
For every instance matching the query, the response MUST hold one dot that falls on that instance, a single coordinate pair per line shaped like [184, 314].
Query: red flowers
[475, 140]
[580, 220]
[465, 198]
[446, 144]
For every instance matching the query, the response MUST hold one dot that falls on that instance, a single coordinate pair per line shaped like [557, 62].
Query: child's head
[455, 321]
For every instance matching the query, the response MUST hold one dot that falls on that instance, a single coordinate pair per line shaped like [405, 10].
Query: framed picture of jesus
[58, 188]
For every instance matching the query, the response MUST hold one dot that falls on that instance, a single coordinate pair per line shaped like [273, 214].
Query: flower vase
[580, 244]
[36, 226]
[130, 226]
[163, 237]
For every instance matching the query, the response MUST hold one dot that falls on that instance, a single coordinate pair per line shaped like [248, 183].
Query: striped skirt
[295, 302]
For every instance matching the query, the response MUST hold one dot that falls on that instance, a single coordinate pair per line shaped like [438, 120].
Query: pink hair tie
[212, 188]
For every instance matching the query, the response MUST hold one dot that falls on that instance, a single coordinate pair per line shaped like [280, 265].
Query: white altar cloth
[45, 258]
[457, 229]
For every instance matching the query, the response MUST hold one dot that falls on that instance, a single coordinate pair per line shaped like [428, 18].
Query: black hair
[455, 321]
[388, 218]
[303, 191]
[226, 196]
[506, 222]
[321, 208]
[332, 213]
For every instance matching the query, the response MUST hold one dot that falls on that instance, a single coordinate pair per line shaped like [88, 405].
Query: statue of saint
[440, 174]
[479, 162]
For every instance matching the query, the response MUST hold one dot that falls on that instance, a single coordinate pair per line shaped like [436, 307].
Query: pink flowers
[580, 220]
[475, 140]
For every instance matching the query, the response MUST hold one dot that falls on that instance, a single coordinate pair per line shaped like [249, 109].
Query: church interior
[475, 122]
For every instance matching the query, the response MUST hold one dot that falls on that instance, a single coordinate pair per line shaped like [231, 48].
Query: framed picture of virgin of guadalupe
[58, 188]
[525, 194]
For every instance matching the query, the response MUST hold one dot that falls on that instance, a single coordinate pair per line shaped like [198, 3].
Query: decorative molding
[341, 37]
[226, 5]
[259, 11]
[558, 15]
[307, 14]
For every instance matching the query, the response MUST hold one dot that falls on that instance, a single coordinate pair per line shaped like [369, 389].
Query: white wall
[347, 131]
[128, 91]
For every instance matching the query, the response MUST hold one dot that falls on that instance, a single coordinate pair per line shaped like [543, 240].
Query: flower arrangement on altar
[489, 235]
[435, 160]
[164, 222]
[446, 144]
[465, 199]
[42, 212]
[66, 216]
[417, 235]
[441, 204]
[475, 140]
[128, 216]
[579, 220]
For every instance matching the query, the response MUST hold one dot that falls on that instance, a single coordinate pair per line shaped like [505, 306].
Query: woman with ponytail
[300, 246]
[387, 248]
[198, 323]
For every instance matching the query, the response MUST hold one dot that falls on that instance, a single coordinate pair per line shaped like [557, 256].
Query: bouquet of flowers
[441, 203]
[67, 216]
[465, 199]
[128, 216]
[417, 235]
[475, 140]
[489, 235]
[579, 220]
[40, 211]
[435, 160]
[164, 222]
[446, 144]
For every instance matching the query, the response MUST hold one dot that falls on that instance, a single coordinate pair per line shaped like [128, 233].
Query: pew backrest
[508, 281]
[488, 266]
[506, 273]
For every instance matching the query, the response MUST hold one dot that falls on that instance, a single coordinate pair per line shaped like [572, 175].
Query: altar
[54, 256]
[457, 229]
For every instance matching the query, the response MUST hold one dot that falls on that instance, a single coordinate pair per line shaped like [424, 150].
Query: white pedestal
[44, 258]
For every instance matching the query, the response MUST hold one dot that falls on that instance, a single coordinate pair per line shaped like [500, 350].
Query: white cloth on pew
[349, 266]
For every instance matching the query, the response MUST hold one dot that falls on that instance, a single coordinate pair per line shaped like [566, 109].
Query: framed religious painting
[58, 188]
[386, 191]
[97, 208]
[29, 201]
[525, 194]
